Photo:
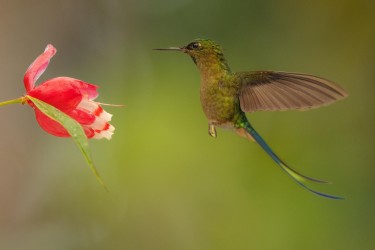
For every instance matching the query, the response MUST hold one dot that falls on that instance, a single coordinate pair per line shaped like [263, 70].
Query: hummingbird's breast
[219, 99]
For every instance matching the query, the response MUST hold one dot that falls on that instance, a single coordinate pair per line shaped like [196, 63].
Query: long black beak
[171, 49]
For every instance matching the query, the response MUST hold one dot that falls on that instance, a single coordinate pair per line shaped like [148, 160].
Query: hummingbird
[226, 96]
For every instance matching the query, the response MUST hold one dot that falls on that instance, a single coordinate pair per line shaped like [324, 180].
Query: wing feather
[271, 90]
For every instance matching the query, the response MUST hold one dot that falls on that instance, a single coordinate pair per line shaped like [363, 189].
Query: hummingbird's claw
[212, 131]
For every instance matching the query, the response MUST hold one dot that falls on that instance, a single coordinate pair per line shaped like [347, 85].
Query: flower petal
[64, 93]
[99, 125]
[82, 116]
[87, 89]
[106, 133]
[50, 126]
[54, 128]
[37, 68]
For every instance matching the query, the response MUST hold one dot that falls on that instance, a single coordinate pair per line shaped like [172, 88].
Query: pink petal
[87, 89]
[63, 93]
[54, 128]
[37, 68]
[82, 116]
[50, 126]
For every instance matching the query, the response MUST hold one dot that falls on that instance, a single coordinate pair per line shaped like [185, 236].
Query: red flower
[71, 96]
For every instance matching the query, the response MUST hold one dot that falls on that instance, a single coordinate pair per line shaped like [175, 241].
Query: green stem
[18, 100]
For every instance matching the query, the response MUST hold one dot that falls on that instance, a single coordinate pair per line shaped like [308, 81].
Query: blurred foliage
[171, 185]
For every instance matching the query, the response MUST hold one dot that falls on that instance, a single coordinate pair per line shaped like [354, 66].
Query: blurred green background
[171, 185]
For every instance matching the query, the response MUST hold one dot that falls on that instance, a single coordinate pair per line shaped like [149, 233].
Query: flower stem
[18, 100]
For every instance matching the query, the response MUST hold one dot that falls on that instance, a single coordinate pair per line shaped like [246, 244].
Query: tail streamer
[295, 175]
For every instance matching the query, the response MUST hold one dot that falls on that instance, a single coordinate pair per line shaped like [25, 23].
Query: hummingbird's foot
[212, 130]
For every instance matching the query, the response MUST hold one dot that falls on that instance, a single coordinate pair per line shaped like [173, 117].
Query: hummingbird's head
[202, 49]
[204, 52]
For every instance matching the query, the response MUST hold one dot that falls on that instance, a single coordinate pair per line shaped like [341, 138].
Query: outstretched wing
[271, 90]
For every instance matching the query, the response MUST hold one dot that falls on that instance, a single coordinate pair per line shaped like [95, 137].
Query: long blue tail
[298, 177]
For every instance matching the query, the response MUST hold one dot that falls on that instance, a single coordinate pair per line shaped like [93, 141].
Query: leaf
[74, 129]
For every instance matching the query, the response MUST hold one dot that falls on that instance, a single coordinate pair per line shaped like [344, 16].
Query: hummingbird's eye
[194, 45]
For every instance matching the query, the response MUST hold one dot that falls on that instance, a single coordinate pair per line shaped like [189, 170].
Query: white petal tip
[106, 116]
[107, 134]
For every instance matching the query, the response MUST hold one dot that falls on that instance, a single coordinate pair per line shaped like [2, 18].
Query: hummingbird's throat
[212, 66]
[194, 60]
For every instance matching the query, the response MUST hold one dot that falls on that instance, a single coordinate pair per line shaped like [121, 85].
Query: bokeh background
[171, 185]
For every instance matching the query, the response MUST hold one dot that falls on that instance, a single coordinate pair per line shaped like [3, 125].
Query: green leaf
[74, 129]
